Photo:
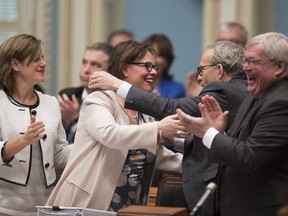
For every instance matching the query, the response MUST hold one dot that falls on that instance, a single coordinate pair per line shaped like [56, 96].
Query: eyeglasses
[148, 65]
[254, 62]
[200, 69]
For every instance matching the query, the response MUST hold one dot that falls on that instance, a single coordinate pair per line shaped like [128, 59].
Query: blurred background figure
[234, 32]
[164, 84]
[119, 36]
[227, 31]
[193, 85]
[95, 58]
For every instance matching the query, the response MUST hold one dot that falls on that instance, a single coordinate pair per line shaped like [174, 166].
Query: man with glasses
[254, 176]
[221, 72]
[227, 31]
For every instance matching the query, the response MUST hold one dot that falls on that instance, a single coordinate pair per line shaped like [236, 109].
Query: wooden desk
[152, 211]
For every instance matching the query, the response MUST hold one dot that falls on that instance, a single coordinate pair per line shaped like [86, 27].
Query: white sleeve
[209, 136]
[123, 90]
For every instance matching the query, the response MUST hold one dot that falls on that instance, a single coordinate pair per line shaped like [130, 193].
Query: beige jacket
[102, 141]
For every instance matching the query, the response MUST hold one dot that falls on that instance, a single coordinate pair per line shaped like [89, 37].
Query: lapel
[243, 112]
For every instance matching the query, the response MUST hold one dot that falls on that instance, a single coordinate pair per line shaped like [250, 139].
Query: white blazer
[14, 120]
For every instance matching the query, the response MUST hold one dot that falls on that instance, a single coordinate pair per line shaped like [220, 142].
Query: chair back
[170, 192]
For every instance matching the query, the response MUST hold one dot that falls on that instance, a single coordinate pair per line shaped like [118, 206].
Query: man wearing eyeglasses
[221, 75]
[254, 176]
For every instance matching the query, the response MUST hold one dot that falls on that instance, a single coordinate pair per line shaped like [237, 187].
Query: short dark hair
[104, 47]
[124, 52]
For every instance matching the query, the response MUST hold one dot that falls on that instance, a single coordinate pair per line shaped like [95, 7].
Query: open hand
[69, 108]
[193, 85]
[34, 131]
[214, 112]
[212, 116]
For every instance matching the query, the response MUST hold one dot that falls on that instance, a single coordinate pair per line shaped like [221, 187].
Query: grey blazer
[255, 181]
[197, 170]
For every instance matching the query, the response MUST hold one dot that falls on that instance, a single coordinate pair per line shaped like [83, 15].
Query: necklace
[131, 116]
[126, 111]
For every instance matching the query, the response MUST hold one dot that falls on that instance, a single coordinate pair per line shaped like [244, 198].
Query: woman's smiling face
[138, 75]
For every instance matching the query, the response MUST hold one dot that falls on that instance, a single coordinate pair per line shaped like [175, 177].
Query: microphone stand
[196, 212]
[211, 187]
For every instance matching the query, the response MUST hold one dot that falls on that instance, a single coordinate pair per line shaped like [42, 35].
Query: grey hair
[230, 56]
[230, 25]
[275, 46]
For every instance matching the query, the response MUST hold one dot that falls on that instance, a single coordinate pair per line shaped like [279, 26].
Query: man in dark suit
[221, 75]
[254, 176]
[95, 58]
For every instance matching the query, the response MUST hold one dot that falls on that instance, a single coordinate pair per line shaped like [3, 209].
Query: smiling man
[254, 176]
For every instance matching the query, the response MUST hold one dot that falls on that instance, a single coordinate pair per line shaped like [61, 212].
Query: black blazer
[77, 91]
[198, 171]
[255, 153]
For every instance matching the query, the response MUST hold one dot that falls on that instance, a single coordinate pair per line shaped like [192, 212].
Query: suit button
[34, 112]
[47, 165]
[44, 137]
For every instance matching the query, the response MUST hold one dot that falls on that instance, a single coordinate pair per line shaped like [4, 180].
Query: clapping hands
[212, 116]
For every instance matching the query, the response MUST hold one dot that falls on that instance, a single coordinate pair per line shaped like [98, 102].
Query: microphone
[211, 187]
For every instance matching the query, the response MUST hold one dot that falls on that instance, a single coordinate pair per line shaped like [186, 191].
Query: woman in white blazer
[114, 154]
[32, 139]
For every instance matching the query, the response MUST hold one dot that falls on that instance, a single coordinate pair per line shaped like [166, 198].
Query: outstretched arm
[101, 80]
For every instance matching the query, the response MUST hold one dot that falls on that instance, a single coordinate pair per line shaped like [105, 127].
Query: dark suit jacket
[198, 171]
[255, 152]
[77, 91]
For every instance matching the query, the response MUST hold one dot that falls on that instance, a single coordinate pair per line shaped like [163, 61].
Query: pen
[58, 208]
